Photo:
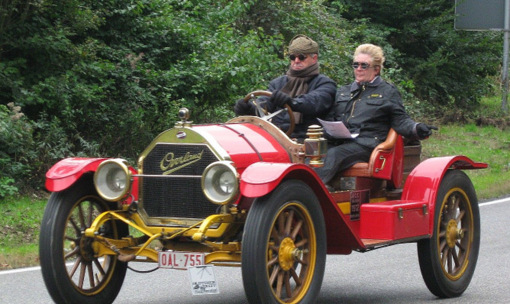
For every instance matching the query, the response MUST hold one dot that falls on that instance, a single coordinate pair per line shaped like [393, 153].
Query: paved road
[388, 275]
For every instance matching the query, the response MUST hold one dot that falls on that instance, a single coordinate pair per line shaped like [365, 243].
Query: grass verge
[482, 144]
[20, 222]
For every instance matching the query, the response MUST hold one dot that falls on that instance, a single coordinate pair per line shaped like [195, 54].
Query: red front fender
[261, 178]
[67, 171]
[64, 173]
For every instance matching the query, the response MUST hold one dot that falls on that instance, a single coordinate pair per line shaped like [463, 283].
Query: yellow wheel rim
[88, 273]
[455, 229]
[291, 253]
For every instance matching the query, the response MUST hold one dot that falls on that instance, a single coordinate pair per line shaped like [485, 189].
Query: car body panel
[67, 171]
[423, 182]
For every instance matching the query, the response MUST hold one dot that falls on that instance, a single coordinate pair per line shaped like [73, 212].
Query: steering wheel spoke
[264, 114]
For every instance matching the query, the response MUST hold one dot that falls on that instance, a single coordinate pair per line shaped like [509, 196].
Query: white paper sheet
[336, 129]
[203, 280]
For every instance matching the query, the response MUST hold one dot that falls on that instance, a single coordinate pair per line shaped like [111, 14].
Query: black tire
[71, 272]
[448, 259]
[284, 246]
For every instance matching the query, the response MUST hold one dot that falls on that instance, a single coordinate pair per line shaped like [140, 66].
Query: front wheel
[72, 270]
[448, 259]
[284, 246]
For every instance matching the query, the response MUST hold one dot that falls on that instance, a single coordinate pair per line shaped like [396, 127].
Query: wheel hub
[86, 251]
[287, 254]
[453, 233]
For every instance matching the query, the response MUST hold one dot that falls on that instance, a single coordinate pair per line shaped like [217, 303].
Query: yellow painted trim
[106, 246]
[135, 221]
[306, 280]
[466, 203]
[345, 207]
[201, 234]
[222, 256]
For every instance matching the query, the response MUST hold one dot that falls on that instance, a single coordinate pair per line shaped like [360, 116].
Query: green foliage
[448, 68]
[6, 187]
[487, 144]
[284, 19]
[103, 77]
[13, 13]
[16, 149]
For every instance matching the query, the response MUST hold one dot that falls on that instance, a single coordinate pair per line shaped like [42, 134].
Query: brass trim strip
[167, 176]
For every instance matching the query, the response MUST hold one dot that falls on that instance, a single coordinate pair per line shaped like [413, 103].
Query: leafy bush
[103, 78]
[6, 187]
[449, 68]
[16, 149]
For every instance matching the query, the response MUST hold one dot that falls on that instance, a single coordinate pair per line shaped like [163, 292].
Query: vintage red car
[243, 194]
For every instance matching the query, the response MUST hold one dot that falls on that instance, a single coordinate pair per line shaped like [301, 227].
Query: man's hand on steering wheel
[280, 99]
[243, 107]
[263, 113]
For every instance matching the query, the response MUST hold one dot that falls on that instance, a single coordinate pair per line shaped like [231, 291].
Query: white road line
[4, 272]
[7, 272]
[499, 201]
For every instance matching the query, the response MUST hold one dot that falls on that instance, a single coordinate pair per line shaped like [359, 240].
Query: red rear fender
[423, 182]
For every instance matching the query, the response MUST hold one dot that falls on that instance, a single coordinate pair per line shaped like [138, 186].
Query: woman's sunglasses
[363, 65]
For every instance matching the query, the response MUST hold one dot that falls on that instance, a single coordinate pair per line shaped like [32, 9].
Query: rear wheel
[72, 271]
[448, 259]
[284, 246]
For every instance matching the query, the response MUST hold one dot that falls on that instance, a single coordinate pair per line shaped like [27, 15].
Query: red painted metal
[65, 172]
[423, 182]
[246, 143]
[261, 178]
[388, 165]
[394, 220]
[398, 163]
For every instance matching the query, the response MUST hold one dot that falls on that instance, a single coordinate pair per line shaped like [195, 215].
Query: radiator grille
[177, 193]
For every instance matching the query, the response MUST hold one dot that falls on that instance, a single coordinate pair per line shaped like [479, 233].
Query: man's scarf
[298, 80]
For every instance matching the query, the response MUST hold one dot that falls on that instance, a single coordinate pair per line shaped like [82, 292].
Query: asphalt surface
[388, 275]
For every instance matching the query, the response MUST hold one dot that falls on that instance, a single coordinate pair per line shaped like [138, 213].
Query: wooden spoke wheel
[284, 246]
[72, 271]
[448, 259]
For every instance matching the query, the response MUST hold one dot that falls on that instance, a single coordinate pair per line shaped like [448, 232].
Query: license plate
[180, 260]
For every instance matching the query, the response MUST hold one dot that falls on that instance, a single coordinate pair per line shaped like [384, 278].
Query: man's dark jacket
[316, 103]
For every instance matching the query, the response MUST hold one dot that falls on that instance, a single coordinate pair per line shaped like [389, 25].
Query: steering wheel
[262, 113]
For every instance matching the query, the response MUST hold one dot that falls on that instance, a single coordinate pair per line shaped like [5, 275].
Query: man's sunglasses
[300, 56]
[363, 65]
